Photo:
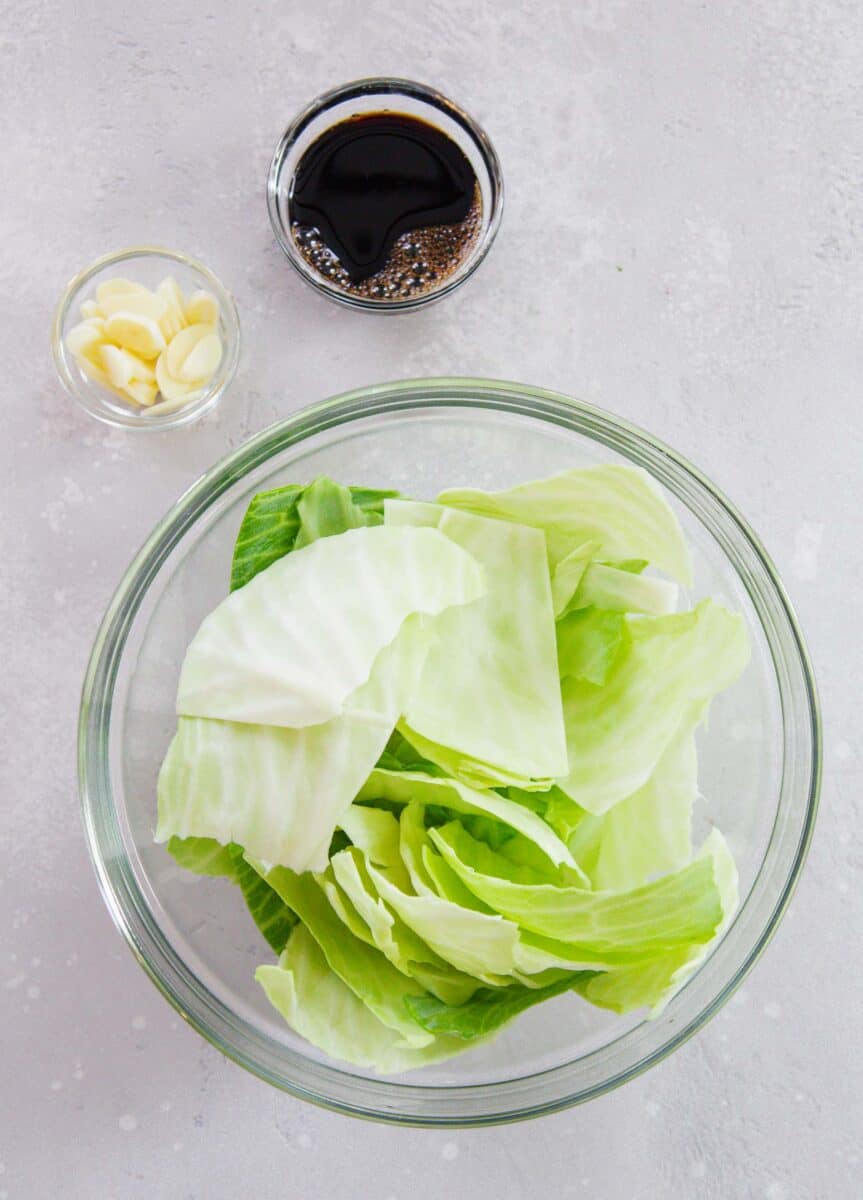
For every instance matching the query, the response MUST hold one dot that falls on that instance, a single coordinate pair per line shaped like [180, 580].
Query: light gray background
[681, 245]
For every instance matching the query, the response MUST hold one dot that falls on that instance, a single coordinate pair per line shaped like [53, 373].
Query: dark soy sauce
[385, 205]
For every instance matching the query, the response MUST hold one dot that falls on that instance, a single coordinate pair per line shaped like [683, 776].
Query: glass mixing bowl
[759, 760]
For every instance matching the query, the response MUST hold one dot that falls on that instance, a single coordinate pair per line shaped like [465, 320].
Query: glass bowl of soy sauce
[385, 195]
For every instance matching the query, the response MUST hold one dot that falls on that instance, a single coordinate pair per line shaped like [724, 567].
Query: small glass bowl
[378, 95]
[147, 265]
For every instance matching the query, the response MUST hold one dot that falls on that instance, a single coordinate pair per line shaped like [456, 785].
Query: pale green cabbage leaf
[401, 787]
[292, 646]
[501, 723]
[660, 684]
[682, 908]
[321, 1008]
[619, 508]
[281, 792]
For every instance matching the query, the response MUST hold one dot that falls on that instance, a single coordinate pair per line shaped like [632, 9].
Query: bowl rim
[370, 86]
[187, 413]
[345, 1092]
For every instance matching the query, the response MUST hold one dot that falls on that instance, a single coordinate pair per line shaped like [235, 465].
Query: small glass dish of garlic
[146, 339]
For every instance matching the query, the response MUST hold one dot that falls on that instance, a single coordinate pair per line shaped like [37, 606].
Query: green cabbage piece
[289, 517]
[588, 642]
[321, 1008]
[396, 940]
[273, 917]
[610, 588]
[476, 943]
[205, 856]
[682, 908]
[488, 1009]
[367, 972]
[649, 833]
[291, 646]
[619, 508]
[376, 832]
[295, 784]
[503, 723]
[567, 576]
[660, 684]
[401, 787]
[652, 984]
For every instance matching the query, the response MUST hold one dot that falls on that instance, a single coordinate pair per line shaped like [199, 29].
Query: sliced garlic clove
[142, 393]
[145, 304]
[170, 387]
[167, 406]
[135, 332]
[91, 309]
[124, 368]
[202, 360]
[202, 309]
[117, 287]
[171, 294]
[82, 338]
[93, 370]
[182, 346]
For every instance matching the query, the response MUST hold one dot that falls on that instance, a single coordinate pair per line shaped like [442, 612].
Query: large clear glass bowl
[759, 758]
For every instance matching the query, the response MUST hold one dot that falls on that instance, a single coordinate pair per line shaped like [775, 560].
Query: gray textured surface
[691, 260]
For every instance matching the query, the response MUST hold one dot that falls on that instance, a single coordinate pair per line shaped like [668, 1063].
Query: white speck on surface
[698, 1170]
[34, 991]
[304, 1141]
[843, 751]
[652, 1108]
[178, 1146]
[36, 961]
[14, 982]
[128, 1123]
[56, 1085]
[78, 1073]
[776, 1191]
[449, 1151]
[843, 887]
[807, 543]
[55, 510]
[139, 1022]
[165, 1106]
[773, 1010]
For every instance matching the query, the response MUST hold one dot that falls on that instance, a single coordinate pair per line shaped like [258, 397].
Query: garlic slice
[135, 332]
[202, 308]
